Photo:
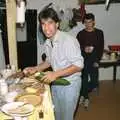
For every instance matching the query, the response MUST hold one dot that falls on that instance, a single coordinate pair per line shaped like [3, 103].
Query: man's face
[89, 23]
[49, 27]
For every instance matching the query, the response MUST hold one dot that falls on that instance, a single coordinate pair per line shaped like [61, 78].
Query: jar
[3, 87]
[113, 56]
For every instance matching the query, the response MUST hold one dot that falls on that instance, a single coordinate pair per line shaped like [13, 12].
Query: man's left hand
[49, 77]
[95, 64]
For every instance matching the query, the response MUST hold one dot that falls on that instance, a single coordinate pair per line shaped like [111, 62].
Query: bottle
[118, 55]
[113, 56]
[8, 71]
[13, 68]
[3, 87]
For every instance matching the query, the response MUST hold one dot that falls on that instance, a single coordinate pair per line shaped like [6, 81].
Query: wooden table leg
[114, 73]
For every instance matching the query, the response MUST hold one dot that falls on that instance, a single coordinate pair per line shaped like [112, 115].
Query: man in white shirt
[64, 56]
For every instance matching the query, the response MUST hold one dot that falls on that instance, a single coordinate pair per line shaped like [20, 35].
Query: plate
[29, 98]
[17, 109]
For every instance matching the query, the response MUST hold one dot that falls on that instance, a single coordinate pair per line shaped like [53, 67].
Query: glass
[2, 101]
[3, 87]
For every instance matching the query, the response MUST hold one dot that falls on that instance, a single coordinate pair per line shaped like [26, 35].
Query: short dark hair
[89, 16]
[48, 13]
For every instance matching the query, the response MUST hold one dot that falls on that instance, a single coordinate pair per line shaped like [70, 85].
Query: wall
[106, 20]
[109, 21]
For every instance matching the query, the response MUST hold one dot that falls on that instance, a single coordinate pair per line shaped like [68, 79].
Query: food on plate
[29, 98]
[31, 90]
[19, 110]
[28, 80]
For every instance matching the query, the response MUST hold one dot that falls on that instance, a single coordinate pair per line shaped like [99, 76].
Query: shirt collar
[54, 40]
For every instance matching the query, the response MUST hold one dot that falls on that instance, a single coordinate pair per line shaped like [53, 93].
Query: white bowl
[10, 96]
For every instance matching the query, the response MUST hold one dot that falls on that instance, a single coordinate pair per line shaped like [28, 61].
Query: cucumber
[39, 75]
[59, 81]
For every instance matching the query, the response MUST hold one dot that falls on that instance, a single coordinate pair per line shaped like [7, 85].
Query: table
[110, 63]
[48, 111]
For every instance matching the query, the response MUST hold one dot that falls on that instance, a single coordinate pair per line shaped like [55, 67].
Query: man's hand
[95, 64]
[49, 77]
[30, 70]
[89, 49]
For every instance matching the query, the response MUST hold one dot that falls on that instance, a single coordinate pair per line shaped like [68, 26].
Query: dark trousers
[89, 72]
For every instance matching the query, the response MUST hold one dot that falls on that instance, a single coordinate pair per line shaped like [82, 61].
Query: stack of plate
[18, 109]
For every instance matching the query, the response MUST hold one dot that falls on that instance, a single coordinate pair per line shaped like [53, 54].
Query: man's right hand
[89, 49]
[30, 70]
